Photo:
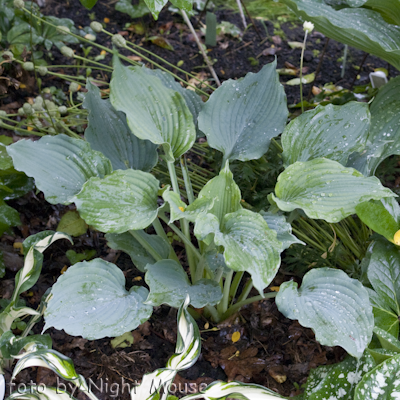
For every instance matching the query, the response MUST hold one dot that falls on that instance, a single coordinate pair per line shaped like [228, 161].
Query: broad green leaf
[10, 345]
[324, 189]
[384, 135]
[179, 209]
[387, 341]
[89, 4]
[90, 300]
[40, 393]
[5, 159]
[59, 164]
[337, 381]
[134, 11]
[120, 202]
[183, 4]
[380, 355]
[249, 245]
[384, 275]
[86, 255]
[358, 27]
[169, 284]
[374, 214]
[241, 117]
[109, 133]
[389, 9]
[22, 34]
[72, 224]
[225, 193]
[155, 6]
[8, 217]
[333, 305]
[153, 111]
[283, 229]
[305, 79]
[14, 184]
[193, 100]
[381, 383]
[332, 132]
[140, 257]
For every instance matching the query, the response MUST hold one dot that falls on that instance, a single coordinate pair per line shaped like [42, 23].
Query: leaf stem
[223, 304]
[160, 232]
[186, 178]
[146, 245]
[301, 71]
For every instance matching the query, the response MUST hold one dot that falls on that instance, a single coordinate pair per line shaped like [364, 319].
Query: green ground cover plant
[329, 158]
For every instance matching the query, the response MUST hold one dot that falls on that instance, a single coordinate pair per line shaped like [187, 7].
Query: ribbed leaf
[225, 193]
[59, 164]
[384, 275]
[382, 383]
[249, 245]
[241, 117]
[335, 306]
[389, 9]
[109, 133]
[325, 189]
[169, 284]
[140, 257]
[384, 135]
[90, 300]
[387, 341]
[381, 216]
[120, 202]
[153, 111]
[337, 381]
[282, 228]
[332, 132]
[358, 27]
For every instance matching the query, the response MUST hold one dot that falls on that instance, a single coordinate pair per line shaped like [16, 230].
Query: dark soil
[272, 350]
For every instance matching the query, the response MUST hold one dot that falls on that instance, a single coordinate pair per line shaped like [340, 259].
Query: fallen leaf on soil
[295, 45]
[277, 39]
[161, 42]
[278, 374]
[76, 343]
[135, 58]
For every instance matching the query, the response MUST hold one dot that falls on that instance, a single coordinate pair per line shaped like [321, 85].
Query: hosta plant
[149, 116]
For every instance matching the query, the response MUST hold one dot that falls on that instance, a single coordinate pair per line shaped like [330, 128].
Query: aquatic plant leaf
[153, 111]
[241, 117]
[125, 200]
[358, 27]
[249, 244]
[333, 305]
[324, 189]
[328, 131]
[169, 284]
[109, 133]
[90, 300]
[59, 164]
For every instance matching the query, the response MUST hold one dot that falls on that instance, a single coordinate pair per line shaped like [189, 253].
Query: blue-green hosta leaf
[384, 135]
[358, 27]
[337, 381]
[179, 209]
[139, 255]
[283, 229]
[332, 132]
[335, 306]
[381, 216]
[170, 285]
[389, 9]
[387, 341]
[59, 164]
[193, 100]
[125, 200]
[109, 133]
[41, 393]
[324, 189]
[153, 111]
[249, 245]
[235, 390]
[225, 192]
[381, 383]
[384, 275]
[90, 300]
[241, 117]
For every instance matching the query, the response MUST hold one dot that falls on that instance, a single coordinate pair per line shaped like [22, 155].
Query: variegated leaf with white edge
[169, 284]
[153, 111]
[249, 244]
[324, 189]
[90, 300]
[41, 392]
[122, 201]
[60, 165]
[334, 306]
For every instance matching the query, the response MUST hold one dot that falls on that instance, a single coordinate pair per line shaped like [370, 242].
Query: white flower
[308, 26]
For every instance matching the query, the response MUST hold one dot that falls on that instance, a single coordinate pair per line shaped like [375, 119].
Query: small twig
[200, 46]
[252, 20]
[321, 57]
[239, 4]
[359, 70]
[239, 48]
